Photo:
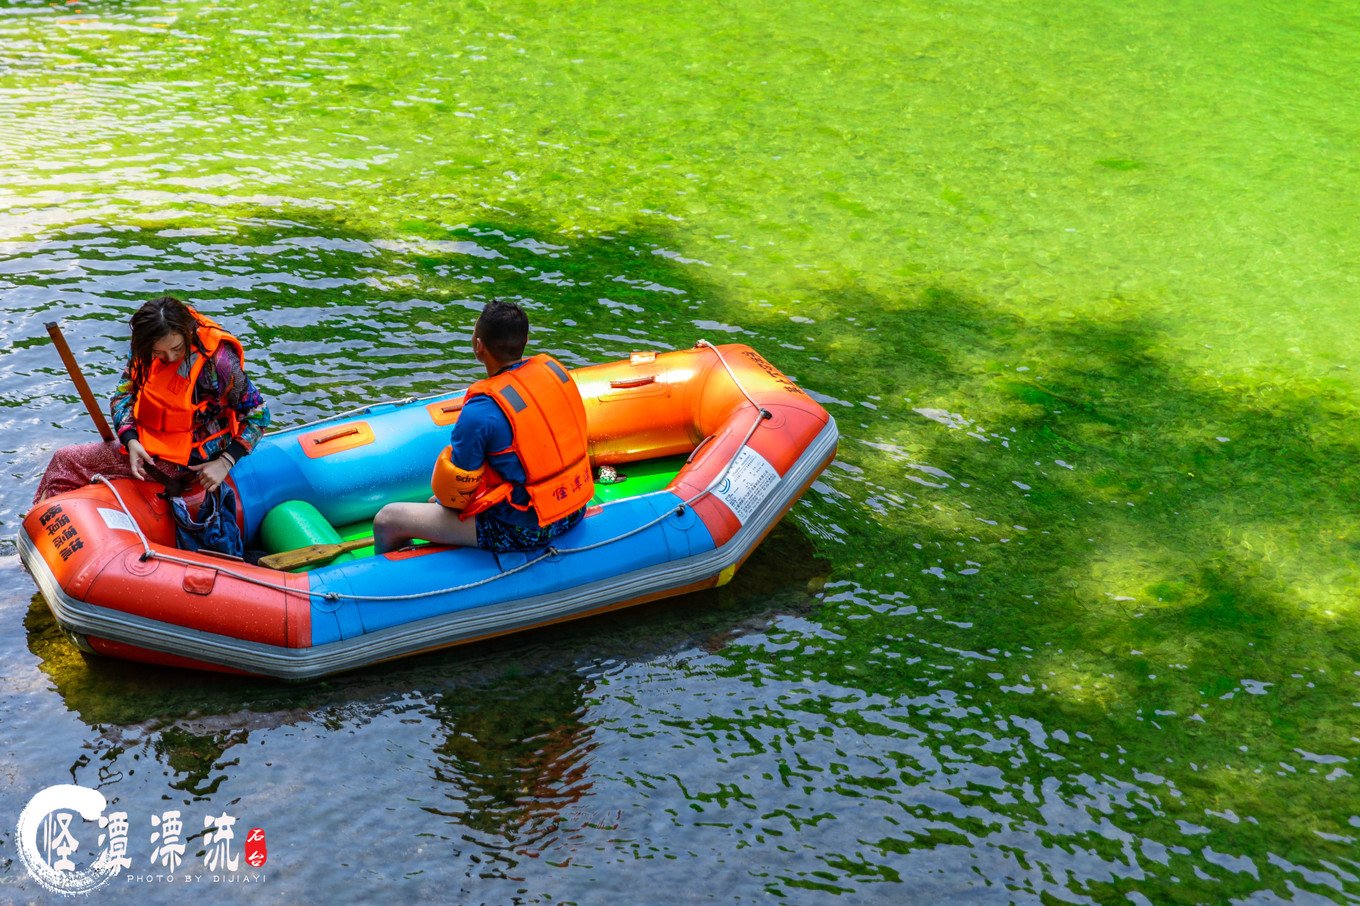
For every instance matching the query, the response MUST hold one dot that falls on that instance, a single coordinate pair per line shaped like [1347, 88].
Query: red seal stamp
[256, 850]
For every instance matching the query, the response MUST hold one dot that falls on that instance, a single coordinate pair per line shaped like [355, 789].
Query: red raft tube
[712, 445]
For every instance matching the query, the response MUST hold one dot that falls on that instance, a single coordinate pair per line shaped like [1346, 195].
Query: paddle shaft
[312, 553]
[73, 369]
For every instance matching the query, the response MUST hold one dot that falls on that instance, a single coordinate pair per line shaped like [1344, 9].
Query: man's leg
[398, 523]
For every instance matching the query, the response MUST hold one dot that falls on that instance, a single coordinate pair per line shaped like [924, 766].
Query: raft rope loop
[761, 415]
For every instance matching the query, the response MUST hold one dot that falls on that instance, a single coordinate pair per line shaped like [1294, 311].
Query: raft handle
[625, 383]
[445, 412]
[696, 450]
[221, 556]
[346, 432]
[326, 441]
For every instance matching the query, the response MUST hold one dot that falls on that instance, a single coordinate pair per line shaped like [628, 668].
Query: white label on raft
[117, 519]
[747, 483]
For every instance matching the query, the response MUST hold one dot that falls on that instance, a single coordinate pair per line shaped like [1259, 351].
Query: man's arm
[459, 468]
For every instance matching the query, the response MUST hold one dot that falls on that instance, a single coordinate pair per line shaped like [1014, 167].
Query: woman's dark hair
[504, 328]
[150, 324]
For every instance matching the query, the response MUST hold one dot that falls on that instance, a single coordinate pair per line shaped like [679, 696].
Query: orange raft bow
[165, 409]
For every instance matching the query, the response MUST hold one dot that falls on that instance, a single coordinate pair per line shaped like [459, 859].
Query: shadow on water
[1088, 594]
[316, 305]
[1139, 567]
[332, 317]
[496, 700]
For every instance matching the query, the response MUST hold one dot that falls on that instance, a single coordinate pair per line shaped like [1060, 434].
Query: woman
[183, 403]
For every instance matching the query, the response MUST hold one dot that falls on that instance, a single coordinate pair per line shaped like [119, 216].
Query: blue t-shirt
[481, 430]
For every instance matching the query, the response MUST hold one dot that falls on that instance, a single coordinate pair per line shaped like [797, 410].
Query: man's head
[503, 329]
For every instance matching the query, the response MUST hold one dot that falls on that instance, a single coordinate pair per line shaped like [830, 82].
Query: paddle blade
[311, 555]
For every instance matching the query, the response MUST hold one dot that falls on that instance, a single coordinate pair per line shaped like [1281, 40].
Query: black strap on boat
[170, 487]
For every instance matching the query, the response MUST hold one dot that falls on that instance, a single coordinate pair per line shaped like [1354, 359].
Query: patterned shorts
[504, 537]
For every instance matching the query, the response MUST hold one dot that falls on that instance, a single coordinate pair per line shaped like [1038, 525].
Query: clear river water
[1072, 617]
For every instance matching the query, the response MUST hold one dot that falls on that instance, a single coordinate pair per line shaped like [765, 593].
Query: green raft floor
[638, 478]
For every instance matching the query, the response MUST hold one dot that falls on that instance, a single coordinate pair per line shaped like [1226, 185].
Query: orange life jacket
[165, 411]
[548, 421]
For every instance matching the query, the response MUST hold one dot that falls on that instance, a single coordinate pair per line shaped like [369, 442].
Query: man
[517, 473]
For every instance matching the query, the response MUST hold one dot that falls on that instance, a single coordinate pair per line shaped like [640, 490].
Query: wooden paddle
[82, 387]
[312, 554]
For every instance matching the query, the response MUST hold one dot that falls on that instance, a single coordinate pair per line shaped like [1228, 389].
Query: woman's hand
[137, 456]
[211, 474]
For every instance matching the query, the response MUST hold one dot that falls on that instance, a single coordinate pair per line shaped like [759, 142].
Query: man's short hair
[504, 329]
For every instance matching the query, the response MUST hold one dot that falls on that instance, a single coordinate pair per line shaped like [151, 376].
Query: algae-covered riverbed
[1072, 616]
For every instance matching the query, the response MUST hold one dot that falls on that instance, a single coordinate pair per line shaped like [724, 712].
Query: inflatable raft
[711, 447]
